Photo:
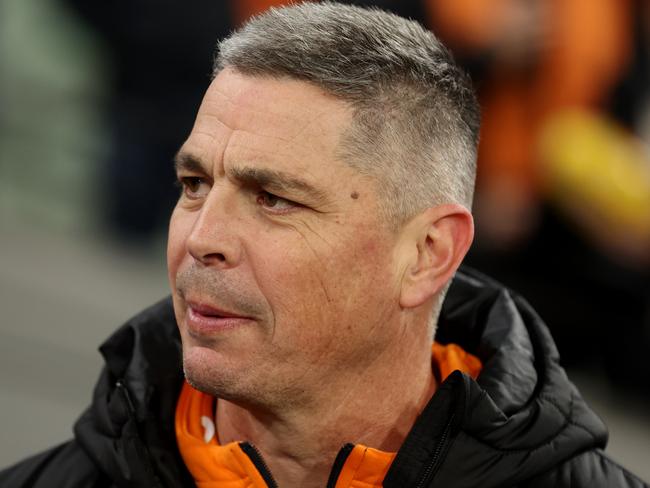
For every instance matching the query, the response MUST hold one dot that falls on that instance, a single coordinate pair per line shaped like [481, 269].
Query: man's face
[284, 278]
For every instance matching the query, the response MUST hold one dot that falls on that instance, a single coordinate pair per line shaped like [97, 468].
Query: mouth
[203, 319]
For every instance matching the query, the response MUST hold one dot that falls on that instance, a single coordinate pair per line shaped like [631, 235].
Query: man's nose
[213, 240]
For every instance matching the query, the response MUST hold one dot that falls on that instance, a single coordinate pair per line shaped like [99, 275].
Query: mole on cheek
[354, 195]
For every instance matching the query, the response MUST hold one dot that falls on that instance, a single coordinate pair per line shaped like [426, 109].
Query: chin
[209, 372]
[204, 369]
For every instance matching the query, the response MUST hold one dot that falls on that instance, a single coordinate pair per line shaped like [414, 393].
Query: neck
[376, 408]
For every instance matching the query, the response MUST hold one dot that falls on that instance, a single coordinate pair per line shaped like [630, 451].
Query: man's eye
[275, 203]
[194, 187]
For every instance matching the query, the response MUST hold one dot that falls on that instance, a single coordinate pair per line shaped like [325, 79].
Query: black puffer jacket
[522, 424]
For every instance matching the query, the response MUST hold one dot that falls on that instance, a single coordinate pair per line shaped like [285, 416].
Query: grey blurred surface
[61, 295]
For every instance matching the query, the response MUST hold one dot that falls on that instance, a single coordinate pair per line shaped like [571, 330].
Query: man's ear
[438, 239]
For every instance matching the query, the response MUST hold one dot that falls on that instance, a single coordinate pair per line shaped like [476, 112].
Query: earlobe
[442, 236]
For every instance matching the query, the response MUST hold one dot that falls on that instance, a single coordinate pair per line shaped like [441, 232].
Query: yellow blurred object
[596, 169]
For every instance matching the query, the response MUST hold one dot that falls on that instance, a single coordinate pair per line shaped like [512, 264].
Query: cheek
[318, 282]
[285, 274]
[180, 226]
[361, 276]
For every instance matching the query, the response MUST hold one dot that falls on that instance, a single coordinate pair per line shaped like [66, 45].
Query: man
[326, 188]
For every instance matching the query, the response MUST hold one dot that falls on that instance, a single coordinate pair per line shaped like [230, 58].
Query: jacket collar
[522, 415]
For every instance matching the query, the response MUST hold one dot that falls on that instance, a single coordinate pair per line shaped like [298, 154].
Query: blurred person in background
[533, 58]
[307, 286]
[563, 192]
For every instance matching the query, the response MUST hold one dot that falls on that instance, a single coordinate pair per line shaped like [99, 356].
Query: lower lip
[200, 324]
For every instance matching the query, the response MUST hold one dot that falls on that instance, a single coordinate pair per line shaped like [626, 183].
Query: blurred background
[96, 97]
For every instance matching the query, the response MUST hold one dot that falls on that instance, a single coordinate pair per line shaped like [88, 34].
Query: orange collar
[216, 466]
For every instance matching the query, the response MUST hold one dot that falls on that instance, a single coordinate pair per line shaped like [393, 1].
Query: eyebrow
[275, 180]
[270, 179]
[187, 162]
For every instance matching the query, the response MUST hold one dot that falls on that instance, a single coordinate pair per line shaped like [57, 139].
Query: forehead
[282, 121]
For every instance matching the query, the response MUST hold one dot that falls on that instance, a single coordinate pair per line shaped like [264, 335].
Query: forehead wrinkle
[245, 144]
[281, 159]
[245, 115]
[218, 134]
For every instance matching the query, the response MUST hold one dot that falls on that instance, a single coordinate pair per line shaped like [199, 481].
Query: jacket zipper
[256, 457]
[119, 384]
[434, 463]
[339, 462]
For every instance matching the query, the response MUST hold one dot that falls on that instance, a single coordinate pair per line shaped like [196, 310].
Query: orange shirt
[229, 466]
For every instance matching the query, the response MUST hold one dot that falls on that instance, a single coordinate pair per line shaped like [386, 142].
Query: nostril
[210, 258]
[213, 257]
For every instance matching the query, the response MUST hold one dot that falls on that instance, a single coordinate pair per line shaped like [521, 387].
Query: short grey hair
[416, 119]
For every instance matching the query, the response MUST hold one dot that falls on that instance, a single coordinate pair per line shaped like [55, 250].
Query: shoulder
[64, 465]
[593, 469]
